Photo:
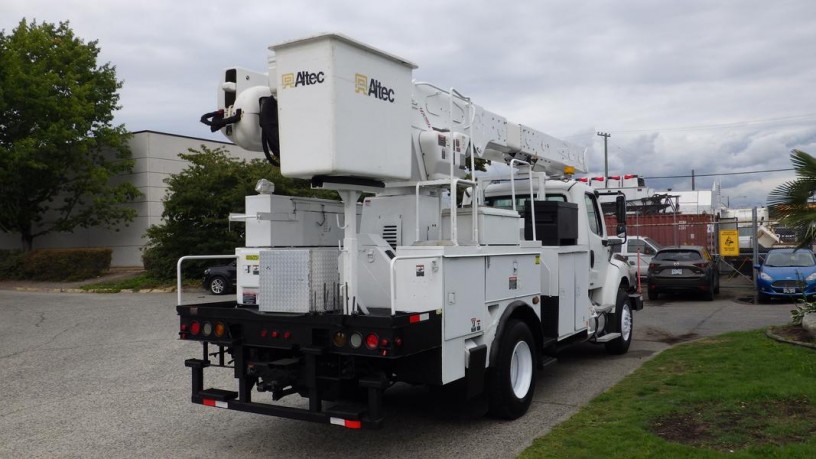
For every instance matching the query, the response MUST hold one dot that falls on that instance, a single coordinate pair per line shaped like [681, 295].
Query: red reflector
[287, 335]
[346, 423]
[398, 342]
[263, 333]
[419, 317]
[372, 340]
[274, 333]
[183, 327]
[354, 424]
[195, 328]
[215, 403]
[384, 342]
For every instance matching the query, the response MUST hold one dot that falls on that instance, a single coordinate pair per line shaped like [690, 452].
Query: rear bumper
[289, 354]
[679, 284]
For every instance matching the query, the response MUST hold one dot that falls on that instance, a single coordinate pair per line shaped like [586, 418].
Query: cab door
[598, 249]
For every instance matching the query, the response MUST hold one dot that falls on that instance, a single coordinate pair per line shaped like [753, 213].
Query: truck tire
[218, 285]
[511, 382]
[622, 324]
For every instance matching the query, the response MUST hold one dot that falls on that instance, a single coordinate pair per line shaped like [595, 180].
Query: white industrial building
[155, 155]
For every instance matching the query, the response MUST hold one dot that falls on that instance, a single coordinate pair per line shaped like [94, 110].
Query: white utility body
[404, 284]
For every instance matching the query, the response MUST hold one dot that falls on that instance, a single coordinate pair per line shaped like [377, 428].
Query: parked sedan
[786, 273]
[220, 280]
[684, 268]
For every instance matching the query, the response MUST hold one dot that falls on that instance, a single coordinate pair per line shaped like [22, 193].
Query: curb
[776, 337]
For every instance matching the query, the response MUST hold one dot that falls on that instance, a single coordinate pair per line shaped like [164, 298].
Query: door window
[593, 216]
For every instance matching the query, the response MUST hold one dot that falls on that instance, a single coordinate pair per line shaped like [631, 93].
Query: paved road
[86, 375]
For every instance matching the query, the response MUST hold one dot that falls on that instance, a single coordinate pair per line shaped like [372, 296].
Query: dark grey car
[683, 269]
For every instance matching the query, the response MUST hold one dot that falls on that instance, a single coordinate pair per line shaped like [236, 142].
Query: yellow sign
[729, 243]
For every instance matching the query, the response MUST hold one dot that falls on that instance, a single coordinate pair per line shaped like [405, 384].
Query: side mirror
[620, 214]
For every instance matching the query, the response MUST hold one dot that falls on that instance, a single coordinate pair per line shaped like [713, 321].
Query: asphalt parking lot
[94, 375]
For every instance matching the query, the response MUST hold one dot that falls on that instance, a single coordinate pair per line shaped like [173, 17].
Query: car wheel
[653, 294]
[511, 382]
[218, 285]
[622, 324]
[709, 295]
[717, 285]
[762, 298]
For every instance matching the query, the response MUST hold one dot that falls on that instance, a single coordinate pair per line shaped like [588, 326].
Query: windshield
[506, 202]
[790, 259]
[653, 243]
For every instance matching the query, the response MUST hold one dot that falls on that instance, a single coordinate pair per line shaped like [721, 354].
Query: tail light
[652, 266]
[372, 341]
[220, 329]
[340, 339]
[195, 327]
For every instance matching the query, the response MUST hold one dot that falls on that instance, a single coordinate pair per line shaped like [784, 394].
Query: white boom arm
[340, 109]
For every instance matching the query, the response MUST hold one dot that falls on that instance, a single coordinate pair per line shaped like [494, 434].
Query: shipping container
[673, 229]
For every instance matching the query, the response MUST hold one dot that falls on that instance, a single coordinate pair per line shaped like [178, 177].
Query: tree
[198, 203]
[58, 149]
[792, 203]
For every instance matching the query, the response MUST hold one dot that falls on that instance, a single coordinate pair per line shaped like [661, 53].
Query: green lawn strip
[735, 395]
[135, 283]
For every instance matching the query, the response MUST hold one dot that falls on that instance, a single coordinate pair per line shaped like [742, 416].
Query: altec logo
[372, 88]
[302, 78]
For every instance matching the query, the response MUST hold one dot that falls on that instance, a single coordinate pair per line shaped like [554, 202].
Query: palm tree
[792, 203]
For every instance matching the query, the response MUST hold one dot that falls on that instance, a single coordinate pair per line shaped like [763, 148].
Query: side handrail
[194, 257]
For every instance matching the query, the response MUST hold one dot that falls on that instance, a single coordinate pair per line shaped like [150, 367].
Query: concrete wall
[156, 157]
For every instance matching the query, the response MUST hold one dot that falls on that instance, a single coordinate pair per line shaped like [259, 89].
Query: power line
[721, 173]
[719, 125]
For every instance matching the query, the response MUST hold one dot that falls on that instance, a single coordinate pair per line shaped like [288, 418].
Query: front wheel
[511, 382]
[622, 324]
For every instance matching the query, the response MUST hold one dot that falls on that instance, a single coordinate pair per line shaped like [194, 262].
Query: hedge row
[55, 264]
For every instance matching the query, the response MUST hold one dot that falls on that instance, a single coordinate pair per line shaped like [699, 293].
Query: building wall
[156, 157]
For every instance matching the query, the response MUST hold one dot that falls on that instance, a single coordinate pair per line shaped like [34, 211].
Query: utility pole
[606, 136]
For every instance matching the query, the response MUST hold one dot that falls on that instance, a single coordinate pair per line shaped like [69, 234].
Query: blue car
[786, 273]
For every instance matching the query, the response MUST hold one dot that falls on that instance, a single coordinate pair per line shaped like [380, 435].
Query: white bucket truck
[339, 299]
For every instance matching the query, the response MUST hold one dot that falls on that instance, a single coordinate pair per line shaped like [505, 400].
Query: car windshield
[653, 243]
[678, 255]
[790, 259]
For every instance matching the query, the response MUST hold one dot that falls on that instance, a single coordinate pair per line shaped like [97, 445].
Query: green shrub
[65, 264]
[801, 309]
[11, 264]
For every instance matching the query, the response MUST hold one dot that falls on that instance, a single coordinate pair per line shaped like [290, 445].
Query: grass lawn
[142, 281]
[734, 395]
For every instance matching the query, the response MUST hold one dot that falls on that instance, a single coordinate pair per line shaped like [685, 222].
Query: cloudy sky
[715, 87]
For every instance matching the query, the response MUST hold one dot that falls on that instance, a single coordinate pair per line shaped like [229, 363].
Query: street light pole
[606, 136]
